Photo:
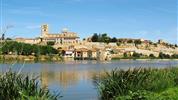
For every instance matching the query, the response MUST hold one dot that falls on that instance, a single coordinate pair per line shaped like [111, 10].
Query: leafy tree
[3, 36]
[114, 39]
[102, 38]
[51, 43]
[8, 39]
[125, 55]
[174, 56]
[118, 43]
[94, 37]
[137, 55]
[27, 49]
[107, 40]
[163, 56]
[137, 42]
[152, 56]
[130, 41]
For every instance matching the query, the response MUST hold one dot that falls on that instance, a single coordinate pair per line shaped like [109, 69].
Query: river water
[74, 79]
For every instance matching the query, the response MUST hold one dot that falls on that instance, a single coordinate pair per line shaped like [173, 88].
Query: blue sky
[149, 19]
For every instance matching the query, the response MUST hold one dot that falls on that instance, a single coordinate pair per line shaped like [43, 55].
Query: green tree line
[103, 38]
[26, 49]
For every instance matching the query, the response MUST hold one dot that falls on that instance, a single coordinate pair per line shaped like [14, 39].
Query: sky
[148, 19]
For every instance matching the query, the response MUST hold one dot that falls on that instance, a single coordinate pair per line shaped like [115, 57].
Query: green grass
[168, 94]
[15, 86]
[136, 83]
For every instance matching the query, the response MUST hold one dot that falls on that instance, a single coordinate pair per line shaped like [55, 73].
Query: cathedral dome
[64, 30]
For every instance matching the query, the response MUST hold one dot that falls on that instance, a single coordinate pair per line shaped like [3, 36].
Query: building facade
[65, 37]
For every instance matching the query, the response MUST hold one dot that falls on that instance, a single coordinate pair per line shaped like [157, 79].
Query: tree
[152, 56]
[8, 39]
[3, 36]
[50, 43]
[114, 39]
[137, 55]
[125, 55]
[175, 56]
[107, 40]
[103, 38]
[27, 49]
[130, 41]
[94, 38]
[137, 42]
[118, 43]
[162, 55]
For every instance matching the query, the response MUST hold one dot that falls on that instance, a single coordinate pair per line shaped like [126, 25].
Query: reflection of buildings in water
[46, 77]
[67, 78]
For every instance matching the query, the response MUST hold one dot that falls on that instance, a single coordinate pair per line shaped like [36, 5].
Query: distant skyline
[148, 19]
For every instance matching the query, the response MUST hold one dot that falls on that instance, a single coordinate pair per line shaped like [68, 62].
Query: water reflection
[66, 78]
[63, 78]
[74, 79]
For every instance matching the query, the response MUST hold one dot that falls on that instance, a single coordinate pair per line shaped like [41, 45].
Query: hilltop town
[105, 48]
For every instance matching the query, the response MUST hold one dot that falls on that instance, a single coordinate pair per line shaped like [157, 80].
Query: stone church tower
[44, 30]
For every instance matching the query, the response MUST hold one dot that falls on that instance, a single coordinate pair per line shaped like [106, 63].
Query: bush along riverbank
[40, 58]
[151, 56]
[139, 84]
[12, 50]
[15, 86]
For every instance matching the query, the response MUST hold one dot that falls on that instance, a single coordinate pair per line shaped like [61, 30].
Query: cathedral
[64, 37]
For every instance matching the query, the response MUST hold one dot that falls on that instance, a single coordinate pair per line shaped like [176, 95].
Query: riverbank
[31, 58]
[168, 94]
[143, 58]
[139, 84]
[43, 58]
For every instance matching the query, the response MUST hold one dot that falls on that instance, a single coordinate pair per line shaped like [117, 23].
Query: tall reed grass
[123, 82]
[16, 86]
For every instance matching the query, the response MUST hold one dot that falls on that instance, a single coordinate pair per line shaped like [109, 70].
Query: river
[73, 79]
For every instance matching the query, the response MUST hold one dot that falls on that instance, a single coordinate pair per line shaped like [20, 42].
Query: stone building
[65, 37]
[29, 40]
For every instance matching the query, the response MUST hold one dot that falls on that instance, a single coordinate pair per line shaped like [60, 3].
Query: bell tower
[44, 30]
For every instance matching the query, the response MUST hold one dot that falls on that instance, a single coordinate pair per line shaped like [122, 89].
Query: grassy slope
[169, 94]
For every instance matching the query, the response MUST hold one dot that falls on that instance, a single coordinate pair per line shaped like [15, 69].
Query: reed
[119, 83]
[16, 86]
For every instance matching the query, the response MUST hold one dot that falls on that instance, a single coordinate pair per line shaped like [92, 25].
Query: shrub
[137, 55]
[118, 43]
[174, 56]
[152, 56]
[163, 56]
